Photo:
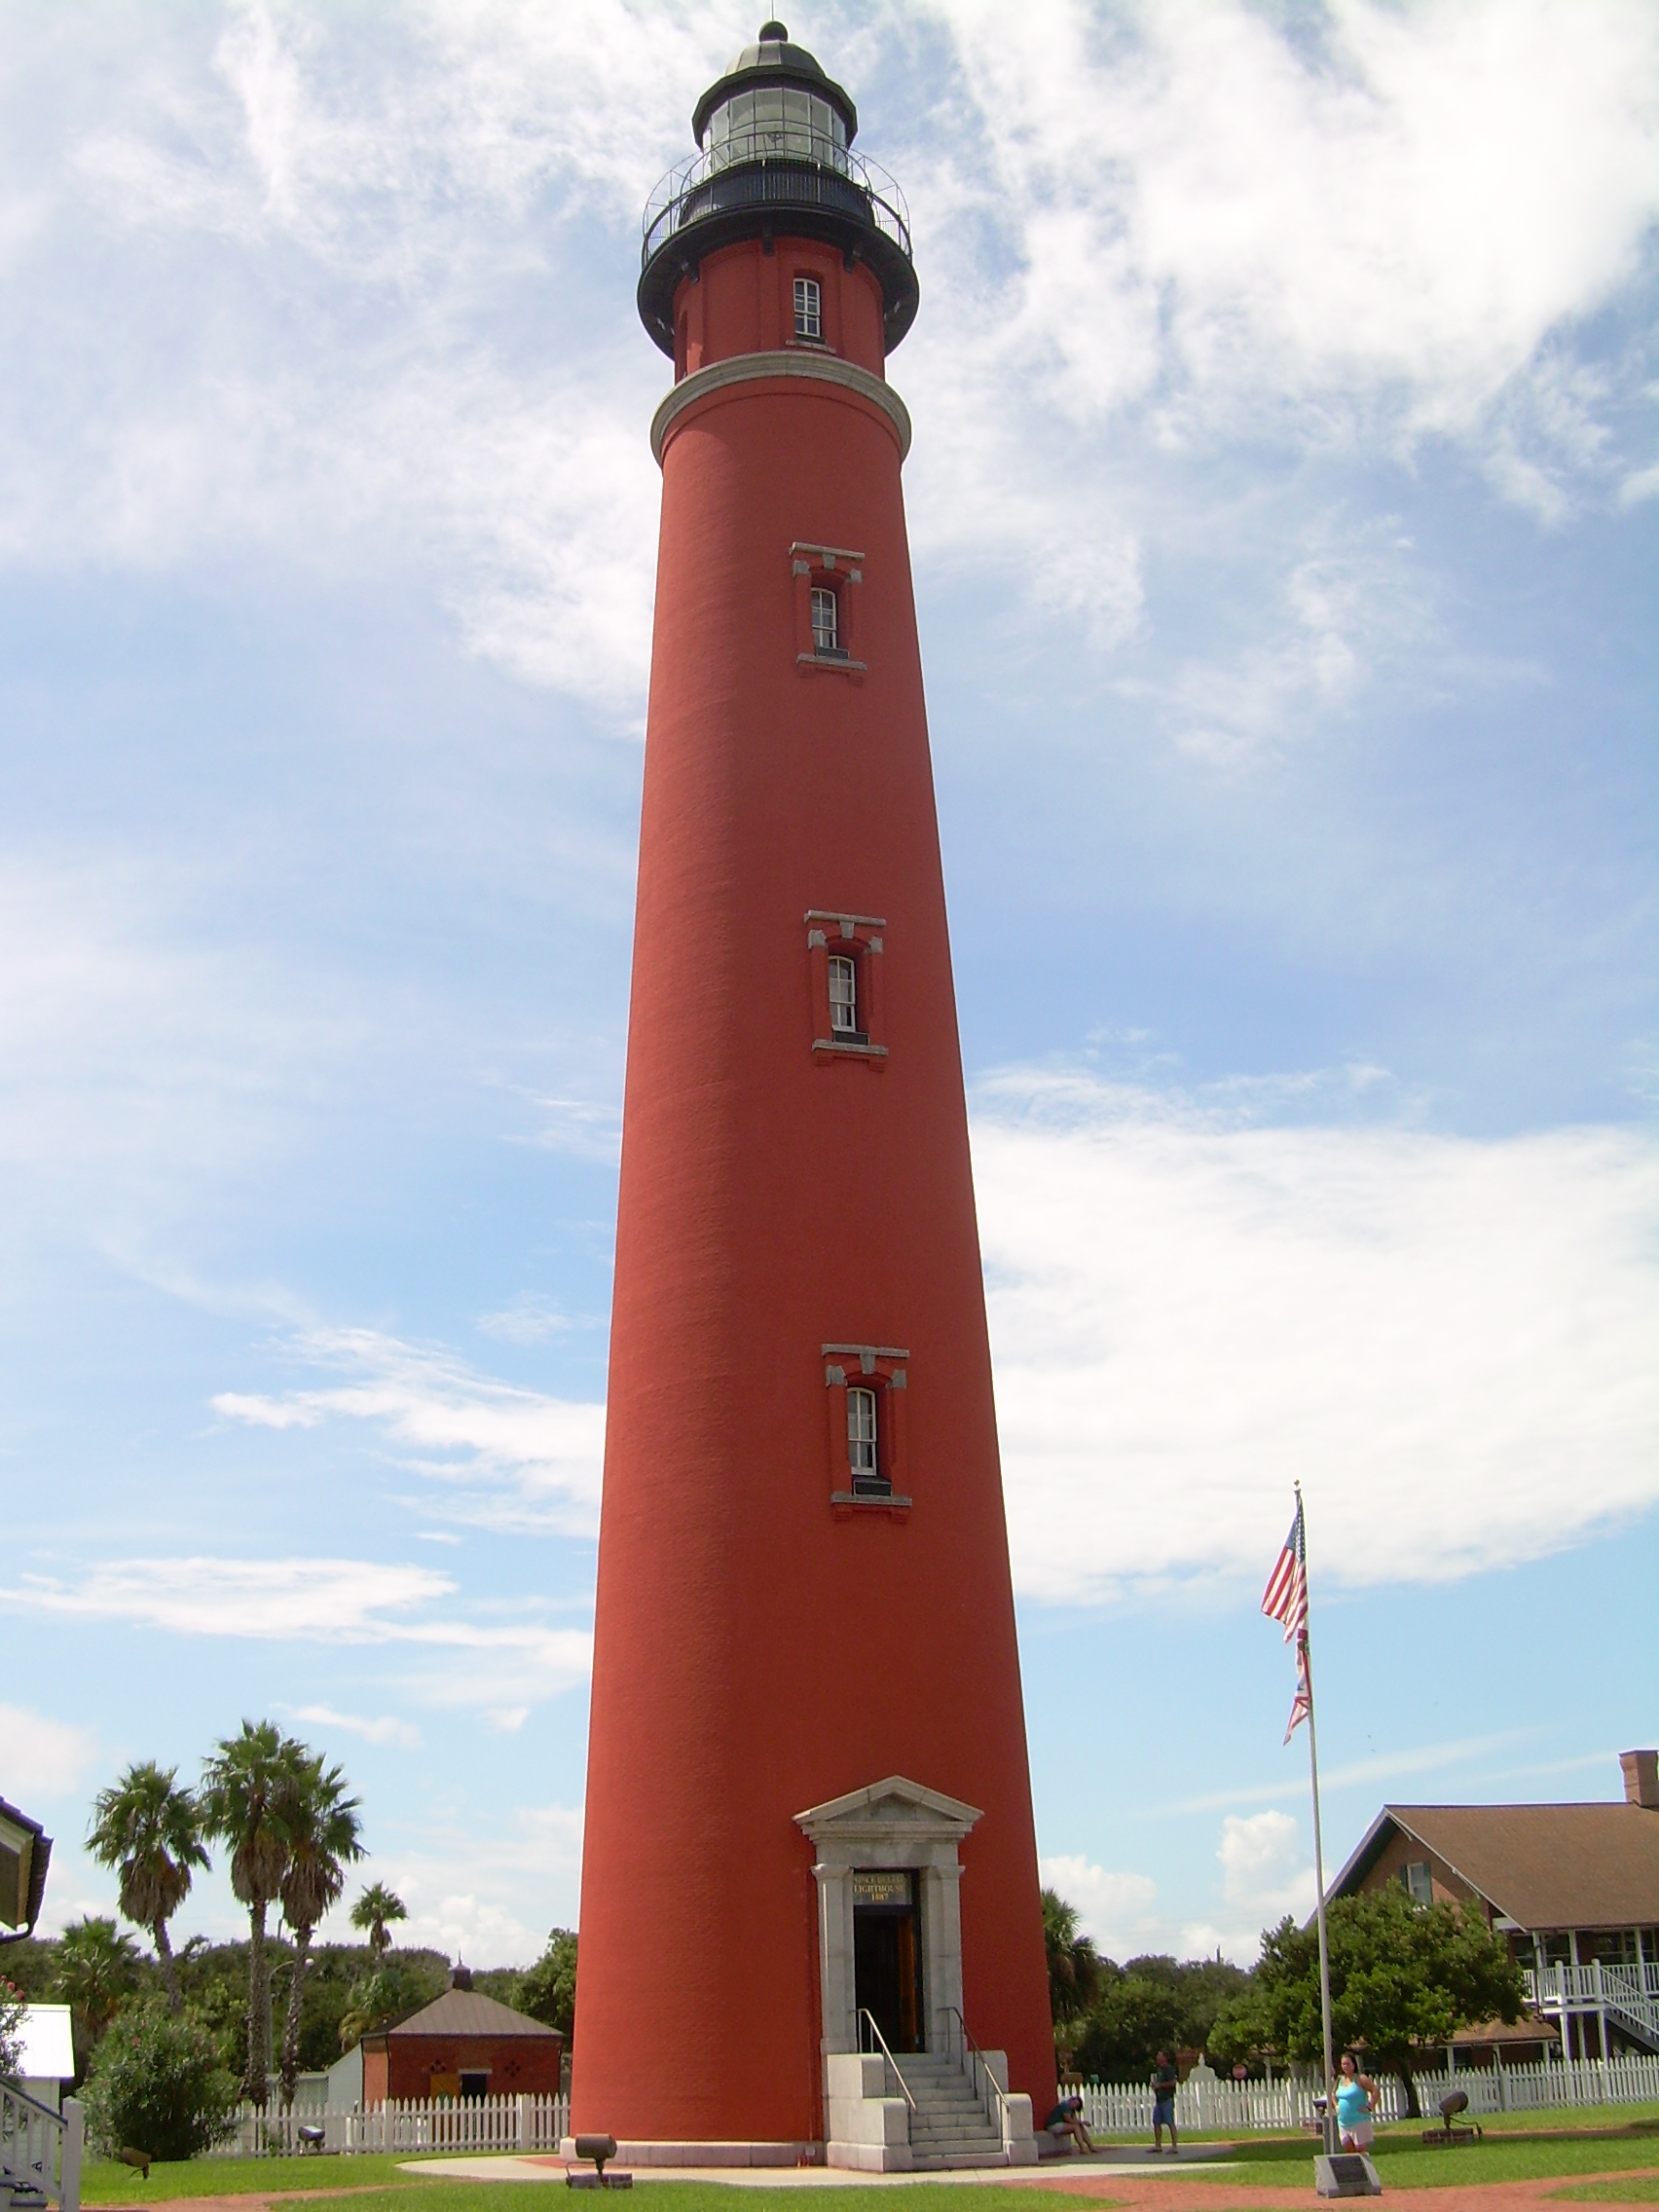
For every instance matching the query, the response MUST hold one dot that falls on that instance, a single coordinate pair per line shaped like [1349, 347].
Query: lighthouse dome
[782, 93]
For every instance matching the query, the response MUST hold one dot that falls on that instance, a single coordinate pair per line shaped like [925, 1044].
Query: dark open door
[887, 1955]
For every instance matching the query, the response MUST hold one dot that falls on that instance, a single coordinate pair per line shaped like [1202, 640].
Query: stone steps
[950, 2128]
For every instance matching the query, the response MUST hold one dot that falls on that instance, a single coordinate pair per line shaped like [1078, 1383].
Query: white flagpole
[1332, 2139]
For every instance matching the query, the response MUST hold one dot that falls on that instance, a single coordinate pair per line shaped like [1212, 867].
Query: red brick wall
[517, 2065]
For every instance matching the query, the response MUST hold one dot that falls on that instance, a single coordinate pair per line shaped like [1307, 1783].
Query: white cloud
[502, 1668]
[1118, 1910]
[492, 1899]
[509, 1458]
[1261, 1867]
[43, 1757]
[387, 1729]
[330, 245]
[1450, 1342]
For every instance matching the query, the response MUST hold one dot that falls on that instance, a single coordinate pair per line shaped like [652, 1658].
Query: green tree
[324, 1832]
[374, 1913]
[1133, 2018]
[1075, 1965]
[148, 1830]
[11, 2003]
[1402, 1975]
[548, 1991]
[159, 2085]
[242, 1800]
[97, 1966]
[399, 1985]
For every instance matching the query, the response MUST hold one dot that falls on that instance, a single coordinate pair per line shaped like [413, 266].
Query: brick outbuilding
[462, 2045]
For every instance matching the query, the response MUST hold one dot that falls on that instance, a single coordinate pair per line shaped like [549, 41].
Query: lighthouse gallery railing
[775, 168]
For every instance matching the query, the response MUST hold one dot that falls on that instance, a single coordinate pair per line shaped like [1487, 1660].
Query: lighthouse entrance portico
[889, 1912]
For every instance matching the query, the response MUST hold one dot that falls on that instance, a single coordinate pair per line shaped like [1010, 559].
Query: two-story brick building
[1574, 1888]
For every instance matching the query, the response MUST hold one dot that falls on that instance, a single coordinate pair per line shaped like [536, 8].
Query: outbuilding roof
[466, 2013]
[1539, 1865]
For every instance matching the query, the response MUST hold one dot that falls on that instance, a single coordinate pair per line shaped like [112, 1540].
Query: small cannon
[599, 2149]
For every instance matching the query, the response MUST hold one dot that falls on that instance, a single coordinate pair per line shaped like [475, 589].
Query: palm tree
[243, 1801]
[1075, 1965]
[374, 1912]
[150, 1832]
[96, 1965]
[323, 1830]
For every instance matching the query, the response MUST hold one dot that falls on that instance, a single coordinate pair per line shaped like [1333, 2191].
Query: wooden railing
[41, 2149]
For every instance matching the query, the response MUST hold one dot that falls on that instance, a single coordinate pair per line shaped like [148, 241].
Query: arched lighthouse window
[808, 308]
[862, 1456]
[826, 620]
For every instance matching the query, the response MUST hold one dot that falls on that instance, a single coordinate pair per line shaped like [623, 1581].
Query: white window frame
[843, 995]
[826, 633]
[810, 309]
[863, 1438]
[1418, 1895]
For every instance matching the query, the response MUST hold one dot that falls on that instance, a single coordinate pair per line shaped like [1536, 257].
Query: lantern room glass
[776, 120]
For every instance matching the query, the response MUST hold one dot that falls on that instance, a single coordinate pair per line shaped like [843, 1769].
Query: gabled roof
[1541, 1866]
[896, 1802]
[464, 2012]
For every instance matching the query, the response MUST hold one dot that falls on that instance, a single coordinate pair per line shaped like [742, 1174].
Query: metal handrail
[784, 173]
[980, 2067]
[865, 2013]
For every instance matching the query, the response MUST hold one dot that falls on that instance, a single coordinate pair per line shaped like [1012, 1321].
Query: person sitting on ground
[1067, 2118]
[1356, 2101]
[1165, 2083]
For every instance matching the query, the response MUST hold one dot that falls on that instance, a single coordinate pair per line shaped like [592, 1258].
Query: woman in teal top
[1356, 2101]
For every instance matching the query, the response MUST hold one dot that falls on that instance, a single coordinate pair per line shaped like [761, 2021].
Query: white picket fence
[1116, 2108]
[470, 2123]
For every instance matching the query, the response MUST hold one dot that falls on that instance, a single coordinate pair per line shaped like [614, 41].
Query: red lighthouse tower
[810, 1921]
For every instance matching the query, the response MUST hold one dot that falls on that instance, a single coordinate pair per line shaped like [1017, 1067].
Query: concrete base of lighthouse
[661, 2153]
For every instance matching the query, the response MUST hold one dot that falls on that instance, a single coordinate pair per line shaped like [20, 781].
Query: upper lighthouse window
[862, 1456]
[844, 996]
[776, 120]
[808, 308]
[826, 620]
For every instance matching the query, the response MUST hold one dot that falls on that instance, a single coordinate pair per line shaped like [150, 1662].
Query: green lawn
[104, 2181]
[1640, 2188]
[368, 2179]
[1405, 2161]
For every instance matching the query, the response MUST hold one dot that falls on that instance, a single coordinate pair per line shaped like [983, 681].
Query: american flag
[1301, 1704]
[1285, 1599]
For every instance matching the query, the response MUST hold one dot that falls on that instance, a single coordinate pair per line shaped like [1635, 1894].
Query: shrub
[158, 2084]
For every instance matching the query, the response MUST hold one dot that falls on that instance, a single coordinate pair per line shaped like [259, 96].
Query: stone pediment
[885, 1810]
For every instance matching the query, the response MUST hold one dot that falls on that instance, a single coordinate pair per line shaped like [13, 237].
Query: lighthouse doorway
[887, 1954]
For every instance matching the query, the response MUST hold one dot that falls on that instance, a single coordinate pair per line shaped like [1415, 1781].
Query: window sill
[845, 1500]
[841, 662]
[876, 1053]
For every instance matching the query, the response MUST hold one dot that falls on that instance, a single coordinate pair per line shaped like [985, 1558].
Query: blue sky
[1285, 511]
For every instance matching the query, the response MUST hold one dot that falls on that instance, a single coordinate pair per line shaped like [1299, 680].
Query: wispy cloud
[1341, 235]
[506, 1457]
[1449, 1337]
[387, 1729]
[504, 1668]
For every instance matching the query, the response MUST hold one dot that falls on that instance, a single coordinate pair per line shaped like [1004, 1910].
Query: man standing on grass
[1165, 2083]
